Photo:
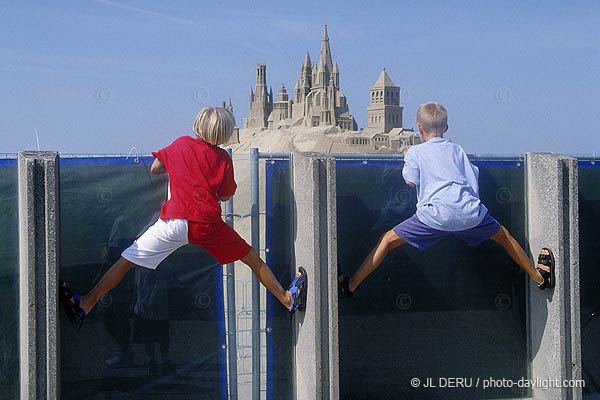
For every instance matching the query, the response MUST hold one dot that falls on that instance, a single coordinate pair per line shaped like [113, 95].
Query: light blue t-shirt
[446, 183]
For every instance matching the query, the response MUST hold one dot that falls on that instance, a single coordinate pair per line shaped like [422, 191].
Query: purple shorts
[421, 236]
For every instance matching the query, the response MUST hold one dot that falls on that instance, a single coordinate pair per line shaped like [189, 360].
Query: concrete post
[552, 211]
[38, 269]
[315, 249]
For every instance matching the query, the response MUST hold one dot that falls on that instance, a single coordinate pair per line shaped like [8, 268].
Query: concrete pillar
[38, 269]
[552, 221]
[315, 249]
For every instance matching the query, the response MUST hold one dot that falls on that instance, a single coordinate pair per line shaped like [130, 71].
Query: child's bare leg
[515, 251]
[387, 242]
[109, 280]
[266, 277]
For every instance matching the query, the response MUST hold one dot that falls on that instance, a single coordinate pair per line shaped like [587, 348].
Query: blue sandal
[71, 303]
[299, 284]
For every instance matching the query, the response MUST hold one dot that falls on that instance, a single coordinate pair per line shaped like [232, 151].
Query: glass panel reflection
[9, 285]
[280, 345]
[158, 334]
[452, 311]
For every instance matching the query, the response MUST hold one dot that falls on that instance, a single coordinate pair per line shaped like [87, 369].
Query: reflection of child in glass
[151, 310]
[200, 174]
[448, 202]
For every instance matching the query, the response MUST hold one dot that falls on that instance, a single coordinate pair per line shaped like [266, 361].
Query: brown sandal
[547, 260]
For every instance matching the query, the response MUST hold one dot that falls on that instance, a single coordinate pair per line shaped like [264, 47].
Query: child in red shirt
[200, 174]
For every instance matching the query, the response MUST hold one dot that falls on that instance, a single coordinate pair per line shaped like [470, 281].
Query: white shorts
[160, 240]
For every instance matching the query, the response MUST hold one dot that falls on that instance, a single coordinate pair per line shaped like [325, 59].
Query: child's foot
[545, 268]
[71, 303]
[297, 291]
[344, 291]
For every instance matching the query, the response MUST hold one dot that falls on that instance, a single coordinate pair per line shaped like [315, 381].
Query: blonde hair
[433, 118]
[214, 125]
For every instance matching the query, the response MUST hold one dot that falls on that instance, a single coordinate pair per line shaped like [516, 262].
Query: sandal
[71, 303]
[344, 291]
[547, 260]
[298, 289]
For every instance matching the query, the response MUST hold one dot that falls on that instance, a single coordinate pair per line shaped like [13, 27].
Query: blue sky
[101, 76]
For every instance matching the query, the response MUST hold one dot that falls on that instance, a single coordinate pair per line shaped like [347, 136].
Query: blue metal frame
[145, 160]
[221, 329]
[588, 163]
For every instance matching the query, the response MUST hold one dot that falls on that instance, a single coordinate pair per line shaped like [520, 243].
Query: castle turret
[336, 76]
[282, 96]
[261, 101]
[321, 74]
[306, 75]
[384, 112]
[297, 92]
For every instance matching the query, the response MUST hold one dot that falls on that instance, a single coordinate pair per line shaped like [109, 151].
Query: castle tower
[261, 101]
[384, 112]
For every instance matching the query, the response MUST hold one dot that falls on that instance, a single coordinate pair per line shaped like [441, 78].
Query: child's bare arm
[158, 167]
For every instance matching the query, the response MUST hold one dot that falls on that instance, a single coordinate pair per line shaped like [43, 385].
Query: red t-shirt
[199, 174]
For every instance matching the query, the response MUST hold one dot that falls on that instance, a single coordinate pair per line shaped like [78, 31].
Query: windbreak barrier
[589, 278]
[429, 324]
[280, 344]
[9, 284]
[160, 333]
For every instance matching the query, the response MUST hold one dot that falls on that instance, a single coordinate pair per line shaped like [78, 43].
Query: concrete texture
[38, 268]
[552, 214]
[315, 249]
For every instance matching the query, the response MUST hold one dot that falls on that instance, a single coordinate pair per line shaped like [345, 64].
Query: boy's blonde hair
[433, 118]
[214, 125]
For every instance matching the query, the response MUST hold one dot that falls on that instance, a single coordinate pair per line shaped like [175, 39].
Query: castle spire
[307, 62]
[325, 54]
[336, 76]
[384, 79]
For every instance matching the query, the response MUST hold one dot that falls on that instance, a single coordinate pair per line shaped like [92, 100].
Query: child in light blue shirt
[447, 202]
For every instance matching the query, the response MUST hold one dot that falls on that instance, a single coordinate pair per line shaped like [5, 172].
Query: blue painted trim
[8, 162]
[269, 237]
[588, 164]
[106, 160]
[369, 163]
[220, 309]
[400, 163]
